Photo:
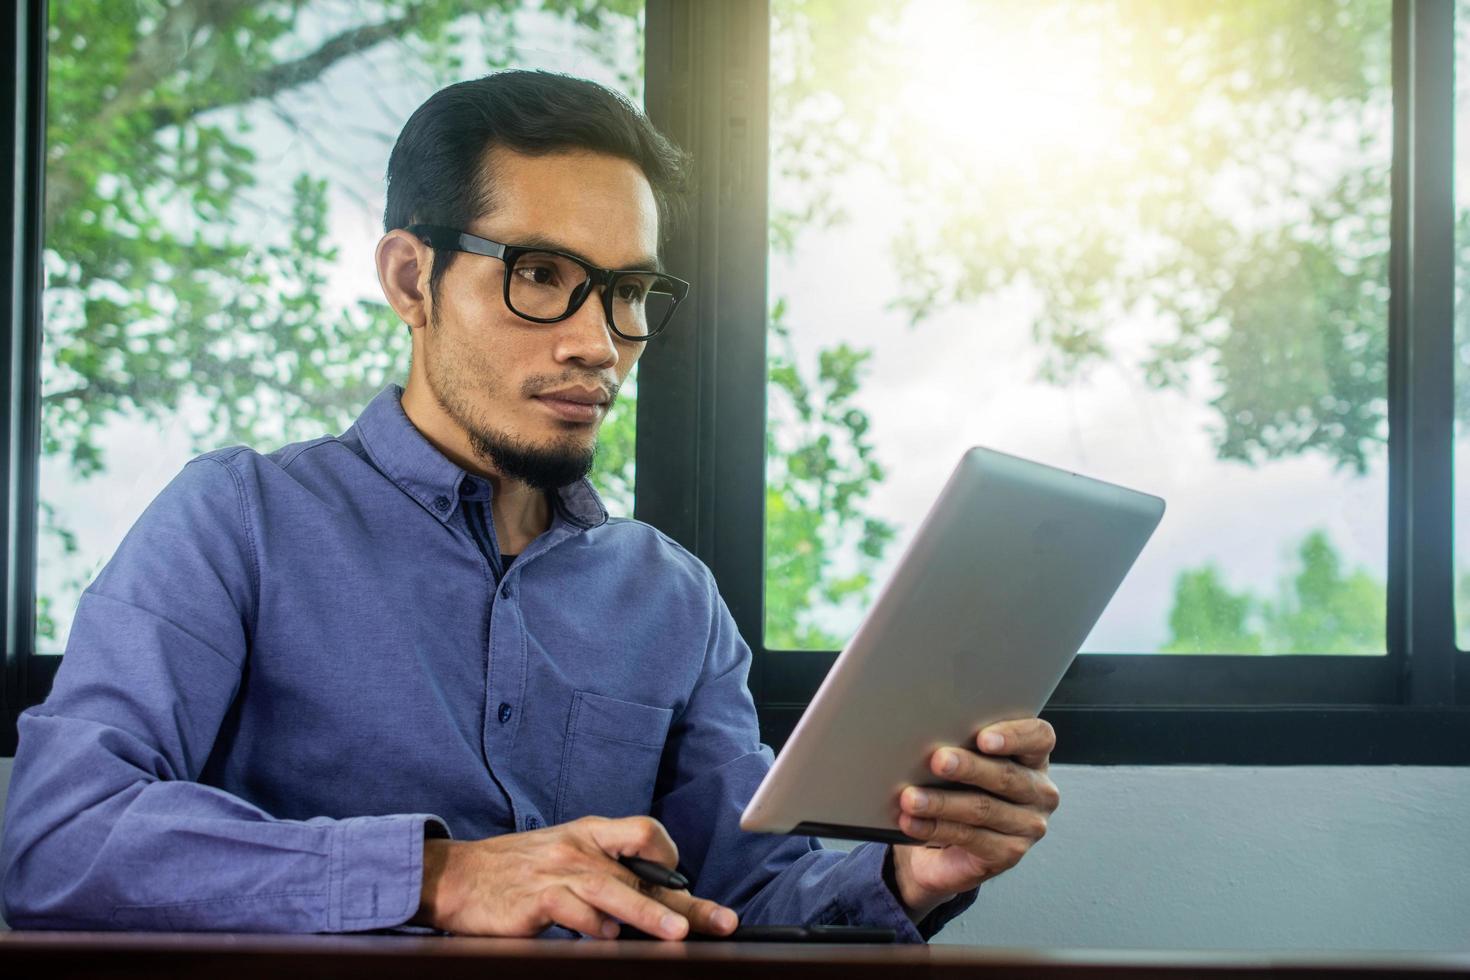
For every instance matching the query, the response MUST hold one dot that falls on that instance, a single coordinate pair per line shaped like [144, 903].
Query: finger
[607, 893]
[995, 852]
[1030, 740]
[974, 808]
[641, 837]
[703, 915]
[1003, 777]
[560, 905]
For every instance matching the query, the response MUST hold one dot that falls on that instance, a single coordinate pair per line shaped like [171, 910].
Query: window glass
[214, 193]
[1462, 319]
[1144, 241]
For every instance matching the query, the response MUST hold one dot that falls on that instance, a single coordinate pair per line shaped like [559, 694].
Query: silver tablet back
[1000, 586]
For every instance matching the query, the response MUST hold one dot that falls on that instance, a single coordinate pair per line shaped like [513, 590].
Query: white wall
[1319, 857]
[1176, 857]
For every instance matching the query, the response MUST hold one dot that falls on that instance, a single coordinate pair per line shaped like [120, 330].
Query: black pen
[654, 874]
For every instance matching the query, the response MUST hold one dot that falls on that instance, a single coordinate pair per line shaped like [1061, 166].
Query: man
[413, 674]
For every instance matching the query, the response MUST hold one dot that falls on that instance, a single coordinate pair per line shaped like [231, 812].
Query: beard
[539, 467]
[542, 467]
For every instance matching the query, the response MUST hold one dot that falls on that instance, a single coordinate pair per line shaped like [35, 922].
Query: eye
[542, 274]
[631, 291]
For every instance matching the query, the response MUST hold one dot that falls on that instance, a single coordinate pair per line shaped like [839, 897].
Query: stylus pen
[654, 874]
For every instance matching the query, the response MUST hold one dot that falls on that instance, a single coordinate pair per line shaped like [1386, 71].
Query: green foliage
[163, 303]
[164, 300]
[1319, 608]
[612, 471]
[1462, 611]
[1207, 617]
[819, 470]
[1242, 200]
[158, 294]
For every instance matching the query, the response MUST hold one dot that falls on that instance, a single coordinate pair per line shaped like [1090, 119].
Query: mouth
[579, 405]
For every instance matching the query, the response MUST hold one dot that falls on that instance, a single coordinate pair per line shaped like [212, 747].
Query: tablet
[991, 600]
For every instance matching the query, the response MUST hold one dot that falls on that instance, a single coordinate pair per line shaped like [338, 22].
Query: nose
[586, 336]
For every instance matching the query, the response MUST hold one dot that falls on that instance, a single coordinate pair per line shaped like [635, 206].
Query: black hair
[437, 173]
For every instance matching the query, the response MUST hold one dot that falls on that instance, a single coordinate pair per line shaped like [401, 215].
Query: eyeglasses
[546, 286]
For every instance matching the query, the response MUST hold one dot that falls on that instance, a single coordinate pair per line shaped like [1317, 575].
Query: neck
[519, 511]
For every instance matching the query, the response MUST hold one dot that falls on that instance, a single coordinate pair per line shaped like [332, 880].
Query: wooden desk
[218, 956]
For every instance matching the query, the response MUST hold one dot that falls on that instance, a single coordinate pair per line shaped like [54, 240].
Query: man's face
[531, 396]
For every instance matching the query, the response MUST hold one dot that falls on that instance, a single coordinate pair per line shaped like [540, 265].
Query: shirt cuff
[940, 915]
[872, 898]
[377, 870]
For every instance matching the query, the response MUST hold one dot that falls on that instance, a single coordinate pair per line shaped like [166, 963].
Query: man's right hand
[567, 875]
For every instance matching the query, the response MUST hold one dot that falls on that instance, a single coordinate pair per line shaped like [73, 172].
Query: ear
[404, 264]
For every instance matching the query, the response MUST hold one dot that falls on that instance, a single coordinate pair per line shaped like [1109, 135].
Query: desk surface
[218, 956]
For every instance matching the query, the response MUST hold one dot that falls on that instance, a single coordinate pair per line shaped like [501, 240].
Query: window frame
[701, 441]
[27, 677]
[700, 473]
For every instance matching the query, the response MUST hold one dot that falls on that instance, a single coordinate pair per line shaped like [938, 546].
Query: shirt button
[506, 591]
[532, 823]
[441, 502]
[504, 712]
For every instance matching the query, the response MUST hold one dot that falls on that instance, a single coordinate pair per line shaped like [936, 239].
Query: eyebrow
[648, 262]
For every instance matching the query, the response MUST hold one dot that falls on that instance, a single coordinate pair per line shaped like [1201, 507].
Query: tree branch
[293, 74]
[155, 57]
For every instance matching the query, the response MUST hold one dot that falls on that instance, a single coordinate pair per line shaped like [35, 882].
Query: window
[1462, 323]
[1209, 254]
[1147, 242]
[1251, 284]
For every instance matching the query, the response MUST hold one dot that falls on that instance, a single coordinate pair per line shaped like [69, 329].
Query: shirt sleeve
[106, 825]
[712, 765]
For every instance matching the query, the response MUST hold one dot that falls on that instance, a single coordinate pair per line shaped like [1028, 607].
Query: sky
[964, 378]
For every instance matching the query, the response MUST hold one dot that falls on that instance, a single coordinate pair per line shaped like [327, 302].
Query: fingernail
[922, 828]
[670, 923]
[947, 762]
[991, 741]
[609, 930]
[919, 799]
[724, 919]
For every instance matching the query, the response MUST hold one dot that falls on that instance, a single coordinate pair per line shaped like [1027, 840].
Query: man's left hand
[983, 831]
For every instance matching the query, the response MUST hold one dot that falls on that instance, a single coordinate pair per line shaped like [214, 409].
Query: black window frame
[27, 676]
[700, 472]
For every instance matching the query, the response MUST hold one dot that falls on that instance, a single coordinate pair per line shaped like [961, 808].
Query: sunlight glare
[1015, 92]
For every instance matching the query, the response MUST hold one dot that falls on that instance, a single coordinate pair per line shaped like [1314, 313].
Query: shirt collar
[402, 453]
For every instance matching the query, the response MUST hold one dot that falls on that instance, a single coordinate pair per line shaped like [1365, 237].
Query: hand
[568, 875]
[983, 832]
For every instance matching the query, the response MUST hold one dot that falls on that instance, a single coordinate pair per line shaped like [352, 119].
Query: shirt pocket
[611, 756]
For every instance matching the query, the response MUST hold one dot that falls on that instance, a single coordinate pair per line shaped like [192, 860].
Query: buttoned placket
[505, 682]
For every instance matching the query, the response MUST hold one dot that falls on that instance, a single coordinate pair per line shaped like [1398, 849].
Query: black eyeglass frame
[452, 239]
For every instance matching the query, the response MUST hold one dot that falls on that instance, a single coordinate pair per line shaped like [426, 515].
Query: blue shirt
[295, 662]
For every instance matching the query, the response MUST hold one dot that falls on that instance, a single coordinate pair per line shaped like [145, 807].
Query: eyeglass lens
[543, 284]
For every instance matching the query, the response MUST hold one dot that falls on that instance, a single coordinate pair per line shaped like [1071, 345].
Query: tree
[1236, 196]
[1208, 206]
[1208, 617]
[1319, 608]
[161, 302]
[820, 469]
[1324, 609]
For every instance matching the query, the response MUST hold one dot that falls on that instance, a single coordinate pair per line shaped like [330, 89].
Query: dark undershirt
[479, 525]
